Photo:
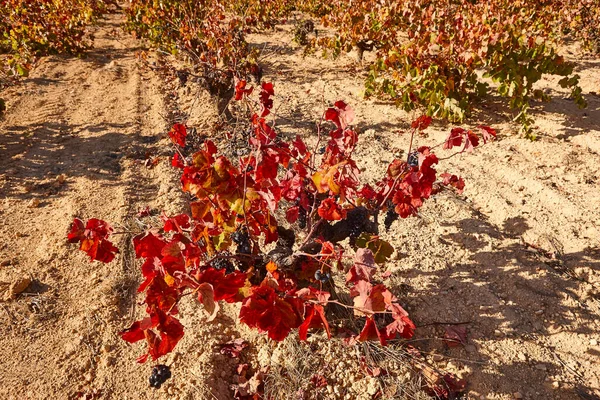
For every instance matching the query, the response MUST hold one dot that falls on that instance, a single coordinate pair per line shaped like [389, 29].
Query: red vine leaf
[371, 332]
[455, 335]
[291, 215]
[241, 91]
[225, 286]
[402, 325]
[454, 181]
[330, 210]
[314, 318]
[177, 162]
[148, 245]
[363, 267]
[488, 134]
[93, 238]
[454, 139]
[178, 133]
[169, 328]
[176, 223]
[471, 141]
[267, 312]
[421, 123]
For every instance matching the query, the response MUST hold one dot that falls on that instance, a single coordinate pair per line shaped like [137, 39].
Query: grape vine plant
[266, 230]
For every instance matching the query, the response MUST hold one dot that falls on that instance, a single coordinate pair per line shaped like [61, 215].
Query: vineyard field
[501, 278]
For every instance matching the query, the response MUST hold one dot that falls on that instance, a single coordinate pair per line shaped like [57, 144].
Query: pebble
[108, 361]
[539, 312]
[470, 348]
[522, 357]
[517, 395]
[555, 385]
[17, 287]
[541, 367]
[34, 203]
[497, 333]
[593, 342]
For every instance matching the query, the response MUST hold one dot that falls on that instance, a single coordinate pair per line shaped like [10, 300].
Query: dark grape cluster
[160, 373]
[222, 261]
[413, 159]
[322, 276]
[356, 226]
[302, 218]
[242, 239]
[390, 217]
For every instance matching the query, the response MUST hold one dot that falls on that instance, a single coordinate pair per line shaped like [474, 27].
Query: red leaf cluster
[421, 123]
[93, 239]
[341, 114]
[241, 91]
[178, 133]
[330, 210]
[171, 331]
[215, 253]
[414, 184]
[265, 98]
[270, 313]
[459, 135]
[370, 300]
[454, 181]
[234, 347]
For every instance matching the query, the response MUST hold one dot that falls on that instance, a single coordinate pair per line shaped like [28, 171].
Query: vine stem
[363, 310]
[390, 192]
[313, 230]
[125, 233]
[315, 257]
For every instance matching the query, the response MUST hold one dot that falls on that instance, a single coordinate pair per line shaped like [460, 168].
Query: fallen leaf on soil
[443, 385]
[234, 347]
[318, 381]
[455, 335]
[371, 370]
[144, 212]
[248, 389]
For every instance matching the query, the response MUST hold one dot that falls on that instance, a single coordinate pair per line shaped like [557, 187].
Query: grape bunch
[322, 276]
[241, 238]
[413, 159]
[302, 218]
[160, 373]
[390, 217]
[356, 226]
[222, 261]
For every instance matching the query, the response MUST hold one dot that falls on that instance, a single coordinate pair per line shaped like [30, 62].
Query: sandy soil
[516, 258]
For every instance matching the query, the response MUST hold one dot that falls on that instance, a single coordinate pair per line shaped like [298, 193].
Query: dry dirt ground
[516, 258]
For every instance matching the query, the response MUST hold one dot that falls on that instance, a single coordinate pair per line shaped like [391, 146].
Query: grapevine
[428, 52]
[244, 242]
